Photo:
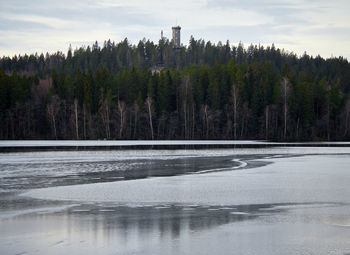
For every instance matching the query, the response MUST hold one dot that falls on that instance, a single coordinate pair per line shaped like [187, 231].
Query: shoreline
[81, 145]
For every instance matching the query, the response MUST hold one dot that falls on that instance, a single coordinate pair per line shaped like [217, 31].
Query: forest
[156, 91]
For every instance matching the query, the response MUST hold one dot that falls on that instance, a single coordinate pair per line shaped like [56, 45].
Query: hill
[153, 91]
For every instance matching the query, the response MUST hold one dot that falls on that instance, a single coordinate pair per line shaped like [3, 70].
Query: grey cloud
[264, 34]
[11, 25]
[339, 32]
[114, 15]
[289, 18]
[282, 13]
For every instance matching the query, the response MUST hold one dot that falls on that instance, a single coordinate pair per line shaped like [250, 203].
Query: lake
[272, 199]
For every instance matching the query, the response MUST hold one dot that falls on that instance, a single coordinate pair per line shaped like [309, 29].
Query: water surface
[280, 200]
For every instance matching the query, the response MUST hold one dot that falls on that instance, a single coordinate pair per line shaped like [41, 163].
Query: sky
[318, 27]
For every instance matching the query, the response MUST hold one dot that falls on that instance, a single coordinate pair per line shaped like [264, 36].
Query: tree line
[202, 91]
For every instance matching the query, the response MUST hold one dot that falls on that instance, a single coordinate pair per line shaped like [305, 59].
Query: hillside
[202, 91]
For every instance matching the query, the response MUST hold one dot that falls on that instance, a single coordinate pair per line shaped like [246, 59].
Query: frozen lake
[272, 200]
[20, 144]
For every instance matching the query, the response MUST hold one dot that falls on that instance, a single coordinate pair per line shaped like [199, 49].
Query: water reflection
[163, 221]
[129, 230]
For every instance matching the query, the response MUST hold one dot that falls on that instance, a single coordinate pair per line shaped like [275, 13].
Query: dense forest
[156, 91]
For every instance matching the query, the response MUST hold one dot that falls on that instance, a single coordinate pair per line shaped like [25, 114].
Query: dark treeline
[203, 91]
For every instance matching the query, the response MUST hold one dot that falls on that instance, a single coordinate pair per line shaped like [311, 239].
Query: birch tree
[52, 110]
[121, 113]
[285, 94]
[150, 110]
[235, 104]
[76, 118]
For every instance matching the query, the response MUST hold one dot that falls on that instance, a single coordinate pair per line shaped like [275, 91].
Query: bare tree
[285, 92]
[52, 110]
[84, 120]
[245, 117]
[205, 120]
[136, 111]
[104, 113]
[267, 110]
[235, 104]
[76, 118]
[149, 108]
[121, 113]
[347, 117]
[185, 90]
[193, 121]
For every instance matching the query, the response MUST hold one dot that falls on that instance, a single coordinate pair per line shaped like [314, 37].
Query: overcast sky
[315, 26]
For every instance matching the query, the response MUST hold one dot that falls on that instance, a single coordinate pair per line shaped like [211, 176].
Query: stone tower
[176, 36]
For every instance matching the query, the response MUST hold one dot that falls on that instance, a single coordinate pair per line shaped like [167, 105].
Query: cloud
[52, 25]
[315, 26]
[56, 23]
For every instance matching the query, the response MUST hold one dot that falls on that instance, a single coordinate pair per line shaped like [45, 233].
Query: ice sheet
[288, 180]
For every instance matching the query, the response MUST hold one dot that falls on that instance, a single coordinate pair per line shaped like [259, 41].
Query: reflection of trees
[163, 221]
